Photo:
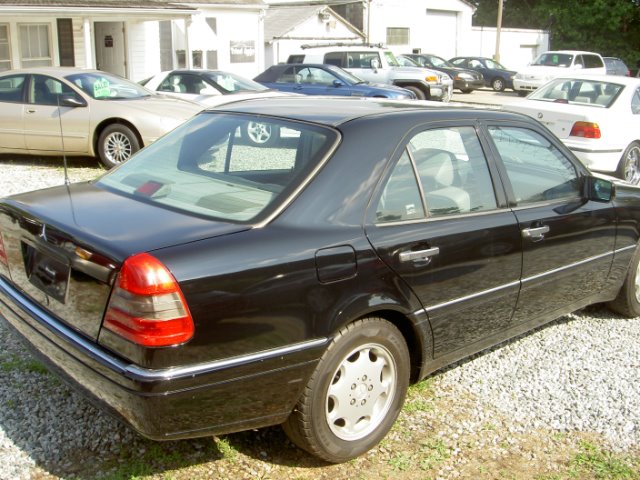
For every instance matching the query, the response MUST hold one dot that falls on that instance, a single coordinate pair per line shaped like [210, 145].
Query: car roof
[53, 70]
[334, 111]
[574, 52]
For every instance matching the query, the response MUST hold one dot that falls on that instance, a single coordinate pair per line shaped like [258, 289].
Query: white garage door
[442, 28]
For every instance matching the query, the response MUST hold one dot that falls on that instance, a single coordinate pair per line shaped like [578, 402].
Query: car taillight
[3, 253]
[585, 130]
[147, 306]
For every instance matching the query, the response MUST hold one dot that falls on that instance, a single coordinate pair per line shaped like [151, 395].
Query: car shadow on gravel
[66, 437]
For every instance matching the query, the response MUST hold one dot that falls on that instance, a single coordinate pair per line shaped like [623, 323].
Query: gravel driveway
[527, 409]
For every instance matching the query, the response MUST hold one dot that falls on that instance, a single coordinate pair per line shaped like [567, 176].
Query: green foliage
[609, 27]
[603, 465]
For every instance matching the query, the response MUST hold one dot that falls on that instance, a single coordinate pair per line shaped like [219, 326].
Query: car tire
[522, 93]
[417, 92]
[627, 302]
[466, 90]
[497, 84]
[629, 167]
[116, 144]
[355, 394]
[263, 134]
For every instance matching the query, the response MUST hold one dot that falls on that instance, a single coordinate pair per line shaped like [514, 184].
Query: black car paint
[459, 83]
[489, 74]
[266, 300]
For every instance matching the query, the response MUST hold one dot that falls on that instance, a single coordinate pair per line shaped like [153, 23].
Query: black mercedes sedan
[211, 285]
[464, 79]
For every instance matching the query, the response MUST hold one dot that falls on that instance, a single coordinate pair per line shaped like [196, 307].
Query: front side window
[208, 166]
[5, 49]
[45, 90]
[537, 170]
[35, 48]
[315, 76]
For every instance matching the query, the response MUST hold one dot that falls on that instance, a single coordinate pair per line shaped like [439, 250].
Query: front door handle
[536, 233]
[31, 110]
[419, 254]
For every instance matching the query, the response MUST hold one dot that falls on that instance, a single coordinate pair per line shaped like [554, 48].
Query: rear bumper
[527, 85]
[216, 397]
[600, 159]
[462, 84]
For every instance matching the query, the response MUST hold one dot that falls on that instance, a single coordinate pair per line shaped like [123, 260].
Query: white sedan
[597, 117]
[212, 88]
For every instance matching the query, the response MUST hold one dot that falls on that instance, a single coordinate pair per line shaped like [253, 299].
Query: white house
[288, 27]
[133, 38]
[441, 27]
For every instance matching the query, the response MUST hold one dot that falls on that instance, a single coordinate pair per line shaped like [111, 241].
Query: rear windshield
[237, 168]
[594, 93]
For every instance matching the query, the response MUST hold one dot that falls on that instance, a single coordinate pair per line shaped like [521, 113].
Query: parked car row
[207, 286]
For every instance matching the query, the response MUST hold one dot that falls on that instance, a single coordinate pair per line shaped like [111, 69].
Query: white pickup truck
[376, 64]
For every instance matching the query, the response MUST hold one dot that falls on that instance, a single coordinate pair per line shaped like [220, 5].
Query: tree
[610, 27]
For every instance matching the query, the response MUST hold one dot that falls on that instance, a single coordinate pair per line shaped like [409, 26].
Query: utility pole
[496, 56]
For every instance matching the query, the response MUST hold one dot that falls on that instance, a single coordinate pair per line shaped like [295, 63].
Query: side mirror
[337, 83]
[599, 189]
[375, 64]
[71, 100]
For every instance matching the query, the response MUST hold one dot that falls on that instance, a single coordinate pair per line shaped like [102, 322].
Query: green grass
[604, 465]
[15, 363]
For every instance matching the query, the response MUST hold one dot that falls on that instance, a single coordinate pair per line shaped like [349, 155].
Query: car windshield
[231, 83]
[554, 60]
[391, 59]
[350, 77]
[104, 86]
[493, 64]
[212, 166]
[599, 94]
[439, 62]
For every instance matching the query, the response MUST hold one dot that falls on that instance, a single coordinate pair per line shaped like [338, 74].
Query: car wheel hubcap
[497, 85]
[117, 147]
[259, 132]
[361, 392]
[632, 165]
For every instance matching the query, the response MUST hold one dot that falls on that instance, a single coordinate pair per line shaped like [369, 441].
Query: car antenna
[64, 154]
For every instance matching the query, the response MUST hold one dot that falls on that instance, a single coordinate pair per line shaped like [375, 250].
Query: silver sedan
[71, 111]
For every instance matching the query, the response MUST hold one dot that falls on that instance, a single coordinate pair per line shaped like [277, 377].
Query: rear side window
[592, 61]
[442, 172]
[335, 58]
[11, 88]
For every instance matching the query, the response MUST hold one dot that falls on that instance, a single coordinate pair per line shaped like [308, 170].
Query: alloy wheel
[117, 147]
[361, 392]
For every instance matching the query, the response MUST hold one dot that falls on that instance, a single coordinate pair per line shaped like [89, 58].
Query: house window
[166, 45]
[35, 49]
[196, 59]
[181, 58]
[212, 59]
[397, 36]
[5, 50]
[213, 24]
[65, 42]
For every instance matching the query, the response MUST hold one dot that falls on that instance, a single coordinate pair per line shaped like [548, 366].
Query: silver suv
[376, 64]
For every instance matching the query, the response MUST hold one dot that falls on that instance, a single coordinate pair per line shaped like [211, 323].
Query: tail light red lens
[585, 130]
[147, 306]
[3, 253]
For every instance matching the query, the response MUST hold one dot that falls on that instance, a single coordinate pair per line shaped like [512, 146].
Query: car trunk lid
[63, 246]
[553, 115]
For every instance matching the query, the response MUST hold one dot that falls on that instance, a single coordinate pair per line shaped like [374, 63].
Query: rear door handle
[536, 233]
[31, 110]
[419, 254]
